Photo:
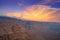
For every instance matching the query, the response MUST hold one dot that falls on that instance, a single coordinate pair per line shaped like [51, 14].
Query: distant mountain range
[40, 30]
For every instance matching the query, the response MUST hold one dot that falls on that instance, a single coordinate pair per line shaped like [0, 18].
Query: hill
[10, 29]
[17, 29]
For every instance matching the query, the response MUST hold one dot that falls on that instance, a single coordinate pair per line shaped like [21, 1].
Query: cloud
[37, 13]
[20, 3]
[51, 3]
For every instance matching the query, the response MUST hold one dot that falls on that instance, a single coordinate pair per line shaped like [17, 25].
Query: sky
[36, 10]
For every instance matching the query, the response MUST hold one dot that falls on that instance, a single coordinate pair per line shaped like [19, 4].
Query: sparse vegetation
[11, 30]
[14, 29]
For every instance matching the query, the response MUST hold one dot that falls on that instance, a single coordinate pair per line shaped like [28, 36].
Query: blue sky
[18, 5]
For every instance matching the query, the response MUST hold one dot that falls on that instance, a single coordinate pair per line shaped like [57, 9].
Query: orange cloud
[38, 13]
[13, 14]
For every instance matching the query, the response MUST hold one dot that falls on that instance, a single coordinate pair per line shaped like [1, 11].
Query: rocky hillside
[16, 29]
[11, 29]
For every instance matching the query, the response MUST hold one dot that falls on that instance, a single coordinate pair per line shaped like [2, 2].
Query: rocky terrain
[16, 29]
[10, 29]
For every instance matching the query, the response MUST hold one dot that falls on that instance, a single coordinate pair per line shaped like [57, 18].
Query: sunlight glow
[38, 13]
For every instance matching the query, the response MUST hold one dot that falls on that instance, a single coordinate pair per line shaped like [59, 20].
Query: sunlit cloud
[52, 3]
[37, 13]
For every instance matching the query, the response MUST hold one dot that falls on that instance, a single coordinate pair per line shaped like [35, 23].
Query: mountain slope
[10, 29]
[28, 30]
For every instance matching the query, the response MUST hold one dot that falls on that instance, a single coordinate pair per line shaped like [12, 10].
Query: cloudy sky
[36, 10]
